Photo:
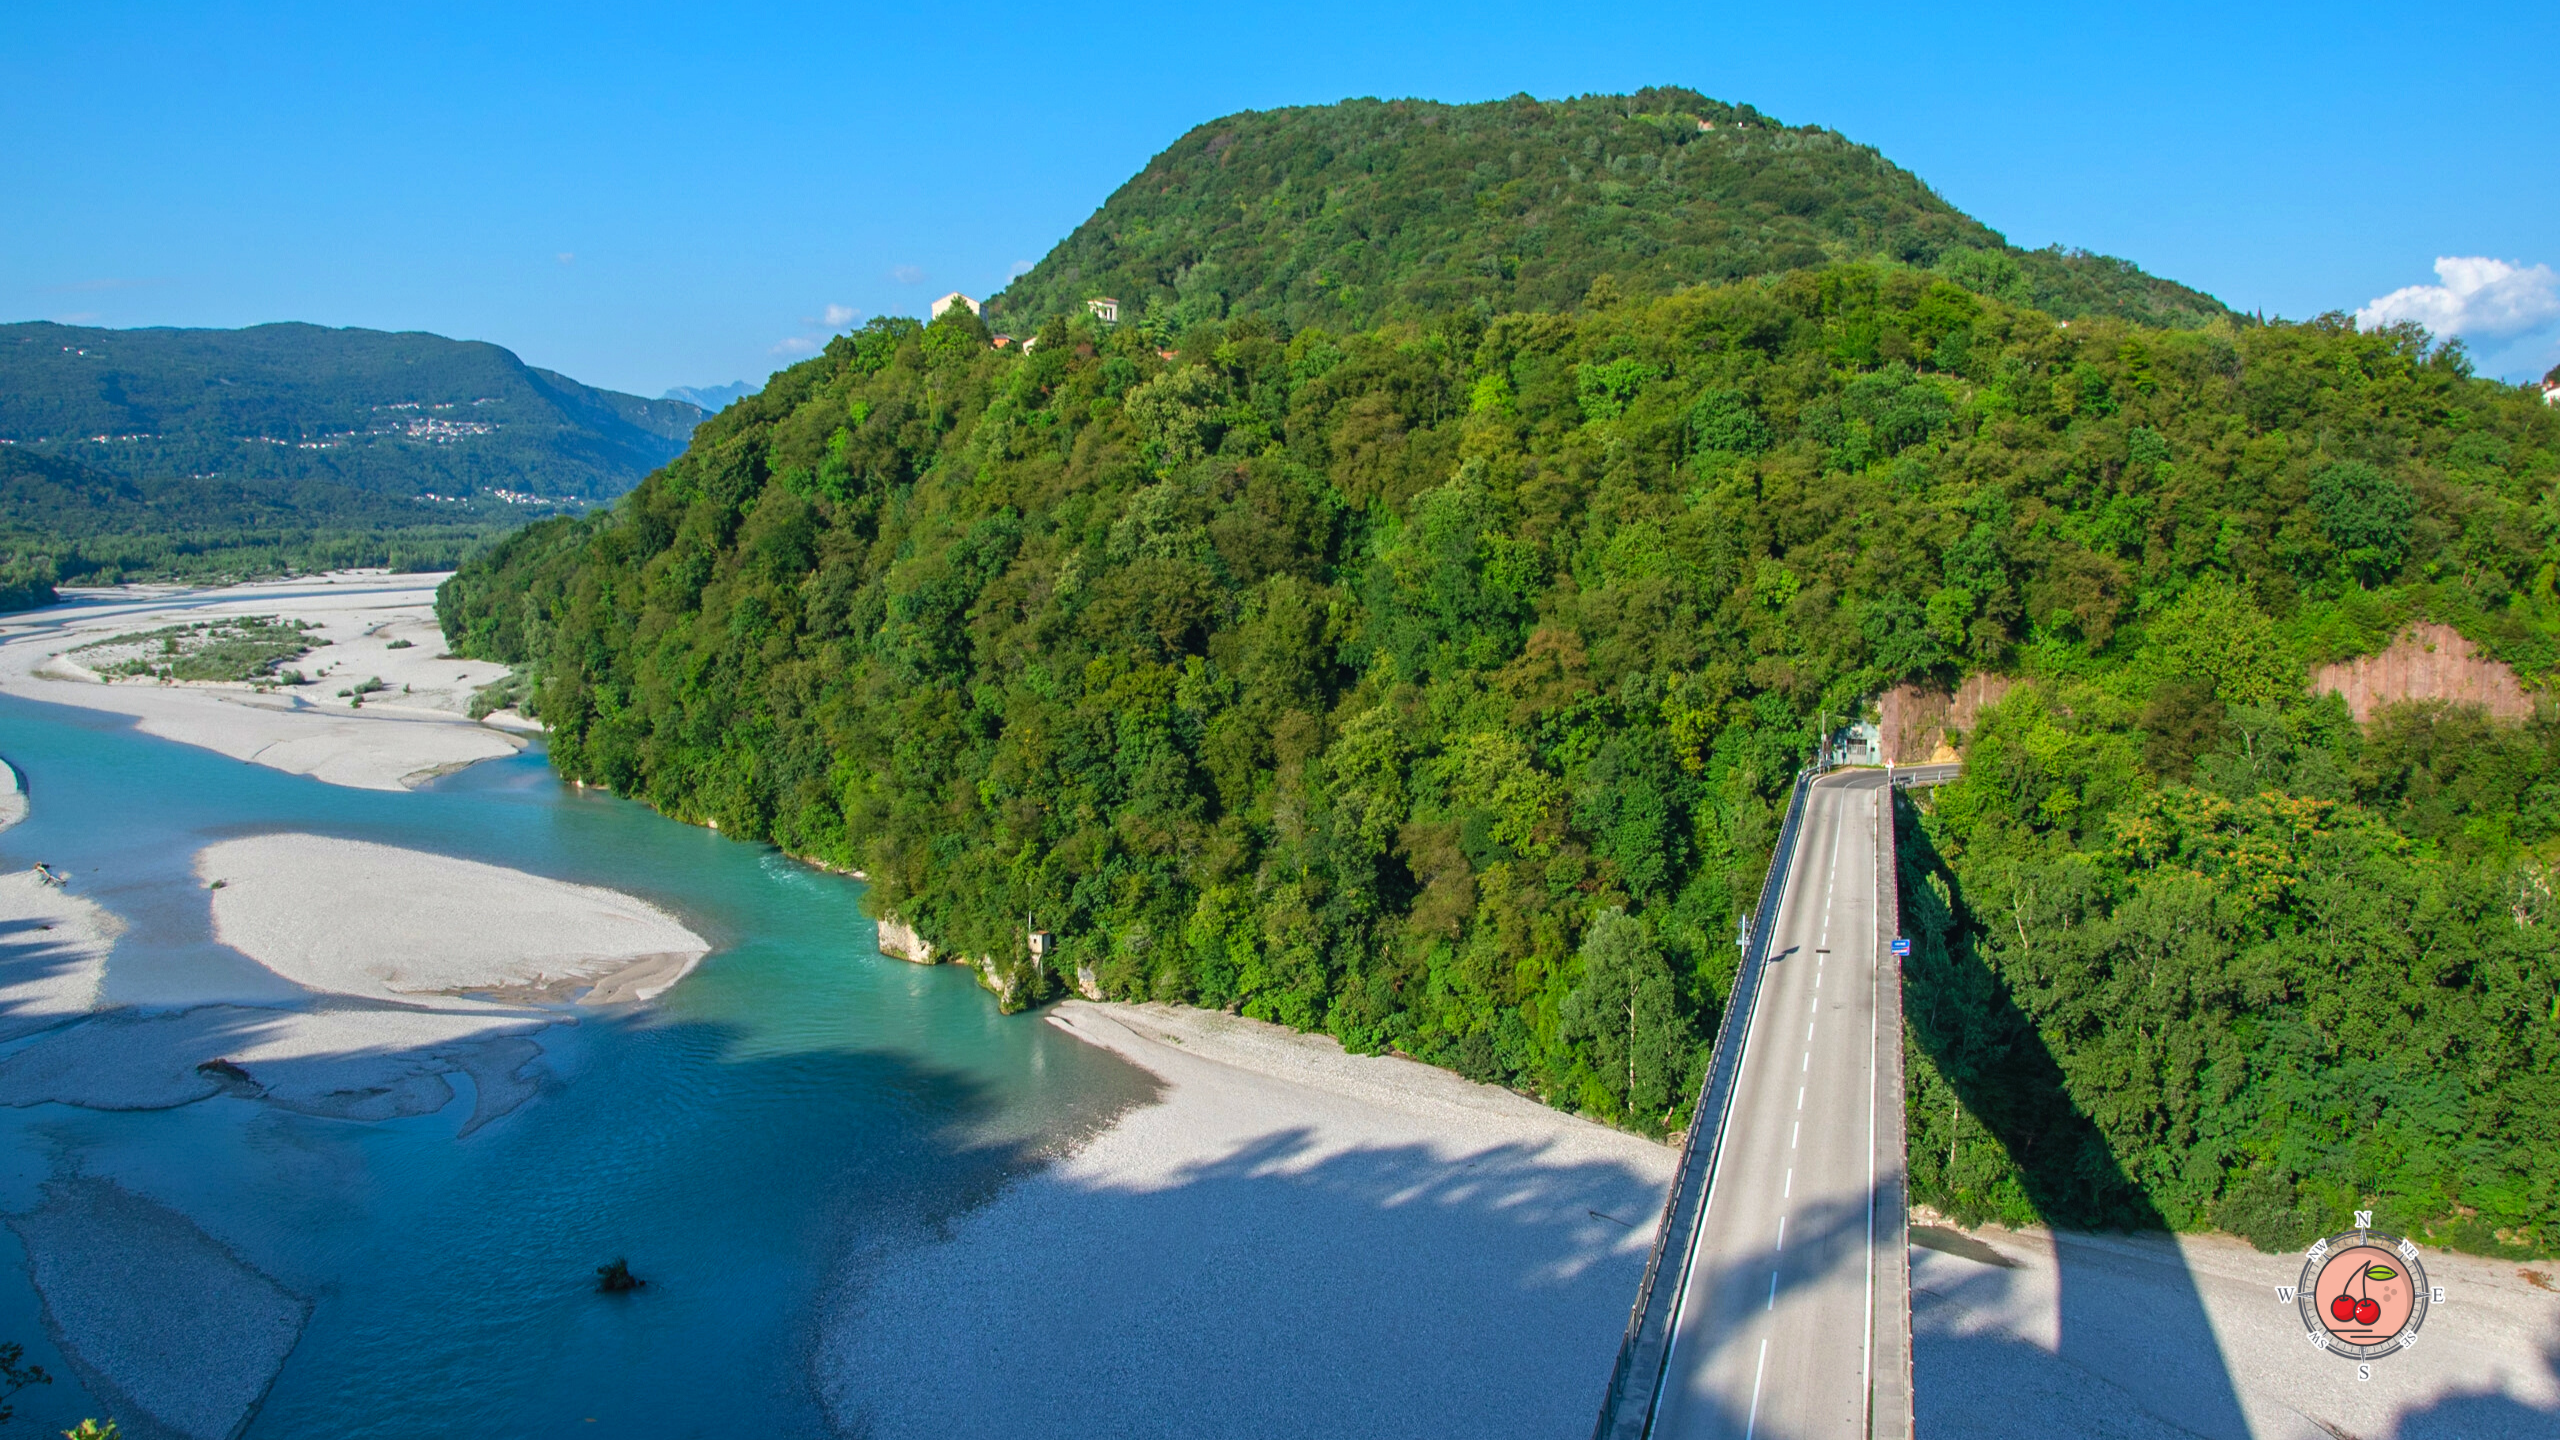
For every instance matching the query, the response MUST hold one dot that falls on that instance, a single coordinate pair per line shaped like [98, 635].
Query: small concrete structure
[1859, 744]
[1105, 309]
[947, 301]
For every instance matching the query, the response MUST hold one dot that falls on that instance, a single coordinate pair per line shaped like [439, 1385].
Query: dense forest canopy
[204, 454]
[1348, 215]
[63, 521]
[1437, 684]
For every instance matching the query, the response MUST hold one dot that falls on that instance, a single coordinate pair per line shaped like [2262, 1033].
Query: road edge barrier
[1635, 1383]
[1889, 1396]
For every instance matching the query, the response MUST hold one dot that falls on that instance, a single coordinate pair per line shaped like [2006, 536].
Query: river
[798, 1101]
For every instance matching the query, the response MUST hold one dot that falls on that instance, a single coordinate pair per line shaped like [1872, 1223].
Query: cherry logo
[2363, 1293]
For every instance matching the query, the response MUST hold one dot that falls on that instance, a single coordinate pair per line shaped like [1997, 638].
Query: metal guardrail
[1635, 1383]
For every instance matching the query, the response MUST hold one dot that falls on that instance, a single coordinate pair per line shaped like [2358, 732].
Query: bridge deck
[1800, 1250]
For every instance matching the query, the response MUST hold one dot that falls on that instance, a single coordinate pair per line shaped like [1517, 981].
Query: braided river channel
[789, 1113]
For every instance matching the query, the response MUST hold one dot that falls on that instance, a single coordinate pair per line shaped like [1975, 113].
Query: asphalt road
[1772, 1336]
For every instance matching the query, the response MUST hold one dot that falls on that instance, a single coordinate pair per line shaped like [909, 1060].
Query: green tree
[2366, 514]
[1626, 1010]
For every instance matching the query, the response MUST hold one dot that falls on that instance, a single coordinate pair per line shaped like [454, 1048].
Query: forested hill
[393, 415]
[1437, 686]
[1346, 215]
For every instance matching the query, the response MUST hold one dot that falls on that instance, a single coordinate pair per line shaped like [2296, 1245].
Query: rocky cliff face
[1917, 723]
[2427, 662]
[899, 941]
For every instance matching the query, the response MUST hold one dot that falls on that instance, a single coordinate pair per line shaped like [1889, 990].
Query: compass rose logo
[2363, 1293]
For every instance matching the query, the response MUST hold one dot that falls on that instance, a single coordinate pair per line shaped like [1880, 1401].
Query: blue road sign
[1901, 946]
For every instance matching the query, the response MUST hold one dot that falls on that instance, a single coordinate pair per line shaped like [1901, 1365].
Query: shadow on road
[1729, 1294]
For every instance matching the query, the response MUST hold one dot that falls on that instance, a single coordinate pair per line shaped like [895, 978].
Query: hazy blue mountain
[387, 414]
[712, 397]
[209, 453]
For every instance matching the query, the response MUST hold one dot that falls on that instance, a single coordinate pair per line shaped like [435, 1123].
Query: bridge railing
[1635, 1383]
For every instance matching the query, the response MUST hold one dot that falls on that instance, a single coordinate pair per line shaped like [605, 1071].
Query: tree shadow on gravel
[31, 953]
[1284, 1289]
[2496, 1415]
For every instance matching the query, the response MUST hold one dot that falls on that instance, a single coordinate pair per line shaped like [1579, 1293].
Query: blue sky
[645, 196]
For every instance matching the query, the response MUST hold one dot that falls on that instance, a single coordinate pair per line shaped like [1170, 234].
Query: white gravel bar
[53, 953]
[351, 918]
[375, 626]
[1292, 1242]
[163, 1323]
[13, 795]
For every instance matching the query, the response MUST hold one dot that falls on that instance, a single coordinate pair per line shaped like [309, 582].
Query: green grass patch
[236, 651]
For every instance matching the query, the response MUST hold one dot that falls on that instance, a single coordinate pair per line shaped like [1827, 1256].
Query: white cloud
[839, 316]
[566, 257]
[908, 275]
[2506, 311]
[1020, 268]
[796, 345]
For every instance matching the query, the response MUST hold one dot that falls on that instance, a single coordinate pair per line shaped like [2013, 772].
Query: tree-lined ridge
[1346, 215]
[1436, 684]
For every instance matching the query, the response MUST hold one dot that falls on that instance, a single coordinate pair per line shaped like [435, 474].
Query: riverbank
[365, 628]
[2029, 1335]
[1290, 1241]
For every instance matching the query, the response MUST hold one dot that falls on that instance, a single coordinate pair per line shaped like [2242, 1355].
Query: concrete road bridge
[1777, 1301]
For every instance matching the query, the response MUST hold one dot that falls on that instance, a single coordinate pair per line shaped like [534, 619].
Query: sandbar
[1291, 1242]
[159, 1319]
[376, 627]
[347, 917]
[53, 953]
[418, 967]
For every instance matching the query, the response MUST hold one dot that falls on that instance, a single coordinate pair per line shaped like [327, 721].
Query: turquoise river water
[796, 1102]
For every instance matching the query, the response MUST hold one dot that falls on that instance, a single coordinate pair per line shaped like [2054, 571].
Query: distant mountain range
[163, 451]
[391, 414]
[713, 397]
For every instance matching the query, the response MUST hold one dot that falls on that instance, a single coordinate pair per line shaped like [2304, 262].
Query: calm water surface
[796, 1102]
